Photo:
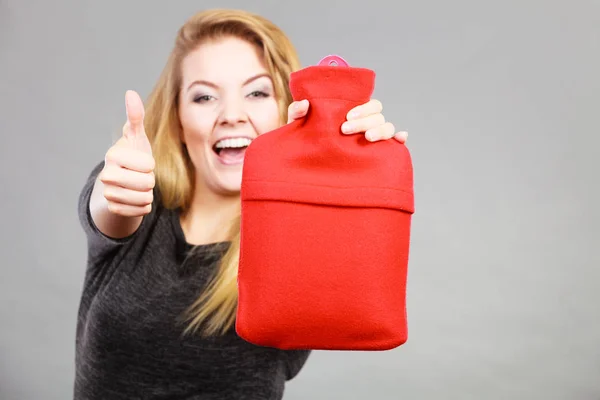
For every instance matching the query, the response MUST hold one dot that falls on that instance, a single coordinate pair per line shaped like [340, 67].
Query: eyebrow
[207, 83]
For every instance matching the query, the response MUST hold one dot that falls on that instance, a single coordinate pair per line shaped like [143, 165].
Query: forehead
[227, 61]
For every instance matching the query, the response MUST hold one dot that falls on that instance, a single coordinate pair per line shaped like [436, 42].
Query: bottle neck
[328, 115]
[332, 92]
[344, 83]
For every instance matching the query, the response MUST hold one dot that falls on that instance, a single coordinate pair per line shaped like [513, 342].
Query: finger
[134, 108]
[382, 132]
[117, 176]
[363, 124]
[130, 197]
[131, 159]
[297, 109]
[373, 106]
[402, 136]
[134, 129]
[128, 210]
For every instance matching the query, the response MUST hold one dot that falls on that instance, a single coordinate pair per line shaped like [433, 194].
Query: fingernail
[370, 136]
[346, 127]
[353, 114]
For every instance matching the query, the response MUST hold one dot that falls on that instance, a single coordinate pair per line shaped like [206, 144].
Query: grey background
[501, 102]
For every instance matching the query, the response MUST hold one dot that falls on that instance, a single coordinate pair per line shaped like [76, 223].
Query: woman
[161, 215]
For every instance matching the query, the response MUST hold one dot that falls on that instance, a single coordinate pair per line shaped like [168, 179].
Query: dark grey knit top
[129, 342]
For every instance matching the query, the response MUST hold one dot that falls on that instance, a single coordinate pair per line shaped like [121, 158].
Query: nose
[232, 111]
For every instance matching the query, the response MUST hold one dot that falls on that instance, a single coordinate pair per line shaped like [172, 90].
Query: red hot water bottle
[325, 226]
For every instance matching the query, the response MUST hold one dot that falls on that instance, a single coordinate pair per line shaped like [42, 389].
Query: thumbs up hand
[128, 173]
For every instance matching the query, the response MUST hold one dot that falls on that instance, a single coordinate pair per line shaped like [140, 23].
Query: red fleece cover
[325, 229]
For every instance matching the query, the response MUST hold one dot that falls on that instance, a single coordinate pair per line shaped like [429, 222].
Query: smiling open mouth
[231, 150]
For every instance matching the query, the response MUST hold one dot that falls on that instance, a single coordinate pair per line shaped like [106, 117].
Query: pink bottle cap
[333, 61]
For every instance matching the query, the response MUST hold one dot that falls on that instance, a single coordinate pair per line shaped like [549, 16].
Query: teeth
[233, 143]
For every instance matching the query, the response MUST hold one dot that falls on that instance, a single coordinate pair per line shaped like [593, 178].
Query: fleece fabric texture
[326, 221]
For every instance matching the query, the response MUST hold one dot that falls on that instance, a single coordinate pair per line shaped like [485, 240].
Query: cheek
[196, 128]
[265, 117]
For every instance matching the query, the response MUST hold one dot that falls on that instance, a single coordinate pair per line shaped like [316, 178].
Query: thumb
[135, 132]
[297, 110]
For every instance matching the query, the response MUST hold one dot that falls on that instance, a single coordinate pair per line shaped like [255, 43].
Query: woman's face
[226, 100]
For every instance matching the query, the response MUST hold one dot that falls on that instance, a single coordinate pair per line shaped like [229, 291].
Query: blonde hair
[215, 309]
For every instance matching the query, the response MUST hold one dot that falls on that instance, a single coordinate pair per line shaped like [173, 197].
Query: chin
[229, 185]
[221, 177]
[231, 191]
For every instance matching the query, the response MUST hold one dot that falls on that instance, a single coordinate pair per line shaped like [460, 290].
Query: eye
[202, 99]
[258, 93]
